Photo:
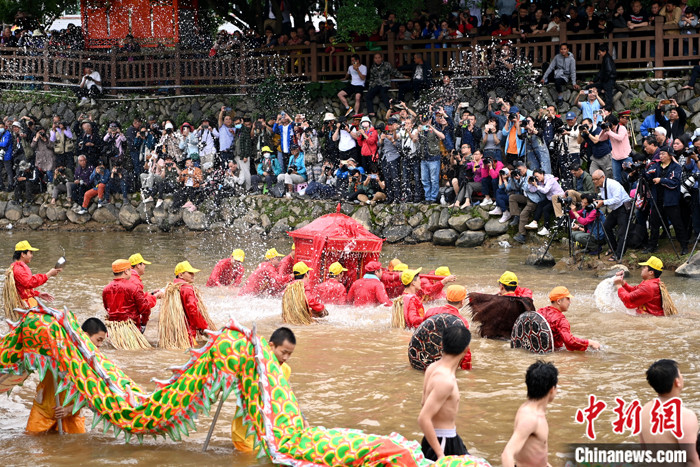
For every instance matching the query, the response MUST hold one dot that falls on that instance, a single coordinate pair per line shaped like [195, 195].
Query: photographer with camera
[267, 171]
[27, 183]
[664, 178]
[134, 146]
[367, 138]
[62, 183]
[492, 140]
[389, 144]
[468, 132]
[501, 115]
[522, 202]
[615, 131]
[469, 177]
[503, 192]
[64, 143]
[587, 225]
[206, 143]
[114, 146]
[601, 158]
[6, 156]
[548, 124]
[548, 186]
[570, 132]
[536, 152]
[690, 204]
[583, 184]
[166, 180]
[411, 188]
[591, 106]
[117, 184]
[344, 137]
[429, 139]
[373, 187]
[98, 184]
[189, 143]
[489, 184]
[296, 171]
[43, 152]
[675, 120]
[613, 196]
[90, 85]
[511, 133]
[189, 191]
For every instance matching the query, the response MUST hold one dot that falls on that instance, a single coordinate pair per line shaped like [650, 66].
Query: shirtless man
[667, 381]
[441, 398]
[528, 444]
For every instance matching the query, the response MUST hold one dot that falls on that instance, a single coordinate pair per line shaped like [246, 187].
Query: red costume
[265, 280]
[226, 272]
[312, 299]
[135, 278]
[645, 297]
[466, 363]
[431, 290]
[519, 292]
[124, 299]
[368, 291]
[392, 283]
[25, 282]
[195, 320]
[561, 330]
[413, 312]
[287, 265]
[332, 291]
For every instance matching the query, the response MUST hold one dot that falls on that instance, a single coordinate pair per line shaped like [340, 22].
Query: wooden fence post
[314, 62]
[391, 52]
[46, 64]
[659, 44]
[113, 65]
[178, 71]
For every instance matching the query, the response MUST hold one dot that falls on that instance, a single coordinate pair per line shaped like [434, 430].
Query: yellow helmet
[238, 255]
[184, 266]
[408, 275]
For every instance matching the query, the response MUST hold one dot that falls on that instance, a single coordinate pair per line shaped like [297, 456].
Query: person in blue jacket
[296, 170]
[6, 158]
[268, 170]
[649, 124]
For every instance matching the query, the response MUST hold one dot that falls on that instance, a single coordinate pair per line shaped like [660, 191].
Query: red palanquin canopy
[336, 237]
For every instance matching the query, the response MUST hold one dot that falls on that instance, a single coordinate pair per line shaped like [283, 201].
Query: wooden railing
[656, 49]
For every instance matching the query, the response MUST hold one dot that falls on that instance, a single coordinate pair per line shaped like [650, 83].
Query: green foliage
[44, 11]
[358, 16]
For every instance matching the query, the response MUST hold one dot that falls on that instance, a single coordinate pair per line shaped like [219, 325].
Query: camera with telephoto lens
[531, 179]
[511, 117]
[566, 201]
[583, 127]
[688, 185]
[503, 172]
[604, 126]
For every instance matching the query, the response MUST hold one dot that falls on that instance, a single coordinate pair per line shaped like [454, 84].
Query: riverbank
[263, 217]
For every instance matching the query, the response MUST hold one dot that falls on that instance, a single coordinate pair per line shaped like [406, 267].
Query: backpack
[278, 190]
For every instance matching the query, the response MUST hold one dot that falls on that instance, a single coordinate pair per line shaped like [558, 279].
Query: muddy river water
[352, 370]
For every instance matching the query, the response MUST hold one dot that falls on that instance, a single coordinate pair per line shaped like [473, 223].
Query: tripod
[643, 183]
[598, 223]
[560, 223]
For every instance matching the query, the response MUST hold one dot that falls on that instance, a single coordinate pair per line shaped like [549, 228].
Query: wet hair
[92, 326]
[661, 375]
[540, 378]
[509, 288]
[18, 254]
[283, 334]
[455, 339]
[298, 277]
[588, 197]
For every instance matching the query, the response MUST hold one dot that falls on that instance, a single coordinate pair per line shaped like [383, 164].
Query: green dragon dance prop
[233, 360]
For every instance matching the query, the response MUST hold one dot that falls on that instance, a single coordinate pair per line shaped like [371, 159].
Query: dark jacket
[670, 183]
[608, 71]
[83, 174]
[673, 130]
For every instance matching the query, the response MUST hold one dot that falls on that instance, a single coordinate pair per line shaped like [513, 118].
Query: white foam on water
[606, 298]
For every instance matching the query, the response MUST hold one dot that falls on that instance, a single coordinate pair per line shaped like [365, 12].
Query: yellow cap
[408, 275]
[336, 268]
[401, 267]
[508, 278]
[301, 268]
[654, 263]
[272, 253]
[120, 265]
[238, 255]
[266, 149]
[185, 266]
[137, 259]
[393, 263]
[442, 271]
[559, 293]
[24, 246]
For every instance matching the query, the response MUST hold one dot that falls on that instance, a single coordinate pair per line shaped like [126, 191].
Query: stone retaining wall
[398, 223]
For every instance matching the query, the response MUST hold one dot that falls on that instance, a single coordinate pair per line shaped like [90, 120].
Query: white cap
[17, 124]
[169, 126]
[366, 119]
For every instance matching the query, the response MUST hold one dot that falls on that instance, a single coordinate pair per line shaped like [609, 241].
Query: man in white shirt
[618, 203]
[206, 134]
[357, 73]
[90, 86]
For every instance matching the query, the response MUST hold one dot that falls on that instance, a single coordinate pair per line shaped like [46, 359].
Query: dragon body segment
[234, 360]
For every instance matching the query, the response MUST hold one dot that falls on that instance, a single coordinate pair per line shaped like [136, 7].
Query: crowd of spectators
[533, 171]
